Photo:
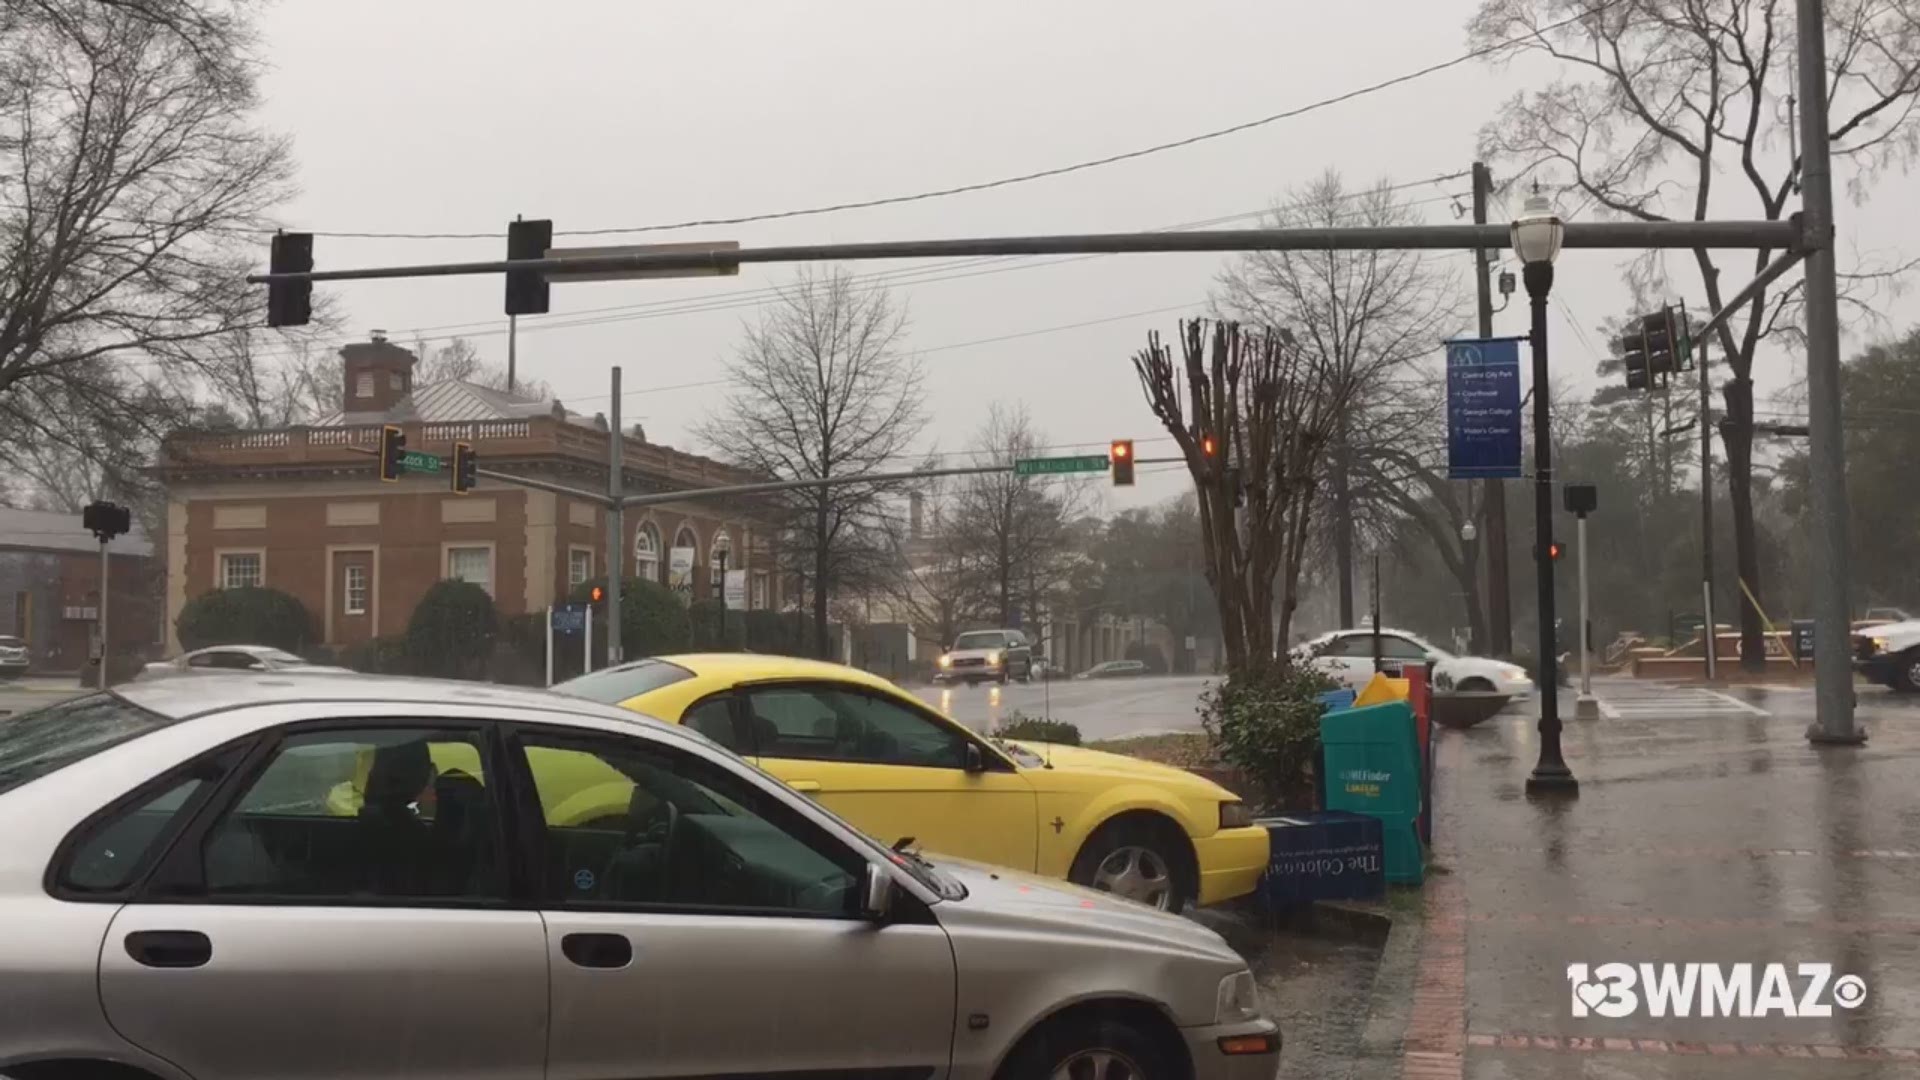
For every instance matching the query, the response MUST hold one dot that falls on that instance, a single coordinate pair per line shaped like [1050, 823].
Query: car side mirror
[876, 894]
[976, 761]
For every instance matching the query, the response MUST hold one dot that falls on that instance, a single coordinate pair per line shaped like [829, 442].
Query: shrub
[452, 631]
[246, 616]
[1149, 655]
[653, 619]
[779, 633]
[1267, 724]
[379, 656]
[1019, 725]
[714, 629]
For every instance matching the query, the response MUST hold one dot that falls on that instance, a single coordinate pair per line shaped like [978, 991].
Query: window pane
[630, 824]
[340, 815]
[714, 719]
[41, 741]
[472, 565]
[356, 598]
[240, 571]
[1400, 648]
[611, 686]
[109, 857]
[579, 566]
[829, 724]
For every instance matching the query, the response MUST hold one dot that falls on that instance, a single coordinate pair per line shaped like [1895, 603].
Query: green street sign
[1046, 465]
[415, 461]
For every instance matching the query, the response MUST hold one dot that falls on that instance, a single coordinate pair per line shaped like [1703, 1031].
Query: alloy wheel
[1137, 873]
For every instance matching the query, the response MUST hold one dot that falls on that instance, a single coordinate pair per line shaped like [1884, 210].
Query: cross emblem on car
[1058, 825]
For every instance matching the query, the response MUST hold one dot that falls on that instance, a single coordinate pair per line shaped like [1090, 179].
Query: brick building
[50, 589]
[303, 509]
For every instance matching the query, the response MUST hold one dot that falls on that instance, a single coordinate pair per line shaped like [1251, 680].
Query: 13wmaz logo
[1618, 990]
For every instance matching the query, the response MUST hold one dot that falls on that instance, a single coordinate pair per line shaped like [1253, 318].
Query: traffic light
[598, 594]
[527, 289]
[1555, 549]
[1120, 456]
[393, 449]
[1209, 446]
[1658, 330]
[290, 303]
[106, 520]
[1633, 353]
[466, 468]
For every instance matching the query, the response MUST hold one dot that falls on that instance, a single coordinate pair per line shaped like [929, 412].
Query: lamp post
[1537, 233]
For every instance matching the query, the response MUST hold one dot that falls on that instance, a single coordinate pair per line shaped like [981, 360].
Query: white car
[1347, 655]
[225, 658]
[1889, 654]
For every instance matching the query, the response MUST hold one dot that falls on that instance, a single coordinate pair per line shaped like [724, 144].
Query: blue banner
[1483, 409]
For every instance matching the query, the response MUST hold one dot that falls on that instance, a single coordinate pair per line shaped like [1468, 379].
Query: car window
[714, 719]
[611, 686]
[45, 740]
[630, 824]
[224, 659]
[1399, 648]
[285, 658]
[109, 852]
[828, 723]
[341, 815]
[981, 639]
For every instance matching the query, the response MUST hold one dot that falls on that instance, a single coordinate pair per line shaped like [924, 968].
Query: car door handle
[808, 786]
[170, 948]
[598, 950]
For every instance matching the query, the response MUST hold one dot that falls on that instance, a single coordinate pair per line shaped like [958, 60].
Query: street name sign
[415, 461]
[1483, 409]
[1048, 465]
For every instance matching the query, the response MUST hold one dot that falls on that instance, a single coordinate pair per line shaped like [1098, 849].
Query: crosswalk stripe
[1652, 701]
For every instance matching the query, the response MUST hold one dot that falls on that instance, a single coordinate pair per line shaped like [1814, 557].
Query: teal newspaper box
[1372, 763]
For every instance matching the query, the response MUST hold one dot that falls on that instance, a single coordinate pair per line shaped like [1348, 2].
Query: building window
[241, 570]
[474, 564]
[355, 600]
[363, 384]
[393, 381]
[758, 601]
[579, 565]
[646, 553]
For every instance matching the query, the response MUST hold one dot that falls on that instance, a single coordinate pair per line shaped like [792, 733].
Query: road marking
[1658, 701]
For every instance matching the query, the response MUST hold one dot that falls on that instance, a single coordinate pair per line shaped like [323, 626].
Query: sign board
[721, 267]
[736, 590]
[415, 461]
[680, 569]
[1483, 409]
[1048, 465]
[569, 619]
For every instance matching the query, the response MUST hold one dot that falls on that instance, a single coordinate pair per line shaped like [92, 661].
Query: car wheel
[1475, 685]
[1087, 1049]
[1135, 860]
[1906, 673]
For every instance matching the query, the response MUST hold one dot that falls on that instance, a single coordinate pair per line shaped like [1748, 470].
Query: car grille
[970, 661]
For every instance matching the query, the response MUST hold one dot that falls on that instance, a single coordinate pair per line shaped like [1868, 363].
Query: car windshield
[981, 639]
[7, 640]
[286, 659]
[611, 686]
[46, 740]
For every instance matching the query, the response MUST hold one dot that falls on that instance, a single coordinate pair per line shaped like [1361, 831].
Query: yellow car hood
[1070, 762]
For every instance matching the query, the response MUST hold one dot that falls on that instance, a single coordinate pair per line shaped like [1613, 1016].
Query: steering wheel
[657, 827]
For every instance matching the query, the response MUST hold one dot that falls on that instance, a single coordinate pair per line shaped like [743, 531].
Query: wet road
[1101, 708]
[33, 691]
[1708, 832]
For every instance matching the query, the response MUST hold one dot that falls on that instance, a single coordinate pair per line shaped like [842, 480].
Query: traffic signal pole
[1706, 511]
[104, 594]
[616, 542]
[1494, 490]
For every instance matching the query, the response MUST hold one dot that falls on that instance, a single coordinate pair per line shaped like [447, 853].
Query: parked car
[13, 657]
[230, 658]
[897, 768]
[1347, 656]
[177, 900]
[1114, 669]
[1889, 654]
[979, 655]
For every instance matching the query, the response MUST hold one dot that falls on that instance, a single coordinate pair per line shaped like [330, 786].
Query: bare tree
[1675, 109]
[1365, 316]
[936, 582]
[132, 198]
[827, 393]
[1269, 410]
[1012, 530]
[460, 360]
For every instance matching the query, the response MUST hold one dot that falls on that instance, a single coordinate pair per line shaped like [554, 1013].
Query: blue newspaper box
[1329, 855]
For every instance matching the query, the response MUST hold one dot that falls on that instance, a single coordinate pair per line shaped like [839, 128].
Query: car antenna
[903, 843]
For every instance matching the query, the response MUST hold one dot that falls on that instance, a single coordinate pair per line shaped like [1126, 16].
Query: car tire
[1093, 1046]
[1474, 685]
[1906, 673]
[1130, 857]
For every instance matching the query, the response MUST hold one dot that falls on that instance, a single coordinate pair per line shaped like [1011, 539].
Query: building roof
[450, 402]
[44, 530]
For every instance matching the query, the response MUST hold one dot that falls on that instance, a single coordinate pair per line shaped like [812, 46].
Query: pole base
[1820, 736]
[1586, 707]
[1559, 784]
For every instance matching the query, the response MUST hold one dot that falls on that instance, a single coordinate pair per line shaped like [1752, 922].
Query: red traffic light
[598, 594]
[1120, 462]
[1555, 549]
[1122, 448]
[1208, 446]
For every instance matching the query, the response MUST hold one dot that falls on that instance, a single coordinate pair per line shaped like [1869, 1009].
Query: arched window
[646, 552]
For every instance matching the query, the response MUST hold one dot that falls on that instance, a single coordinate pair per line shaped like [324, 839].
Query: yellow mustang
[898, 769]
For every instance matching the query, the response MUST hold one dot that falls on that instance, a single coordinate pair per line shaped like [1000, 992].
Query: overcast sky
[443, 116]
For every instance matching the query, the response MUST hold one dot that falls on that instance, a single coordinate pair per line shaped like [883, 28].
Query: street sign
[415, 461]
[1483, 409]
[721, 266]
[1049, 465]
[569, 620]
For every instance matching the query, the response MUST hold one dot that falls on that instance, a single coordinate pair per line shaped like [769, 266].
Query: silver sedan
[287, 876]
[230, 658]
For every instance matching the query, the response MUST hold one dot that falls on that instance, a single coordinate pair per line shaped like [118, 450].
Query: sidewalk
[1710, 836]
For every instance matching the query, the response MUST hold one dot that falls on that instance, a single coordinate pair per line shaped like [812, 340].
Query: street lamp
[1537, 233]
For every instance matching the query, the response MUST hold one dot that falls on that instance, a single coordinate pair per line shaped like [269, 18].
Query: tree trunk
[1737, 435]
[821, 558]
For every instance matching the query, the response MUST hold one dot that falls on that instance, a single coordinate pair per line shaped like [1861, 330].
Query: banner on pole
[736, 590]
[1483, 409]
[680, 569]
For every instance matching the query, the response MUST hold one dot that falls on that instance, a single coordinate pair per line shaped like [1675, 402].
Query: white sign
[737, 590]
[680, 569]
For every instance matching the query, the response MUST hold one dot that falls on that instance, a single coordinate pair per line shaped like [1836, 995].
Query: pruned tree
[1682, 109]
[133, 196]
[826, 392]
[1269, 409]
[1011, 531]
[1365, 316]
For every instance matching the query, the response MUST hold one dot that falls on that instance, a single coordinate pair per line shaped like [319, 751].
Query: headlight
[1235, 815]
[1238, 999]
[1879, 644]
[945, 660]
[1516, 674]
[993, 657]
